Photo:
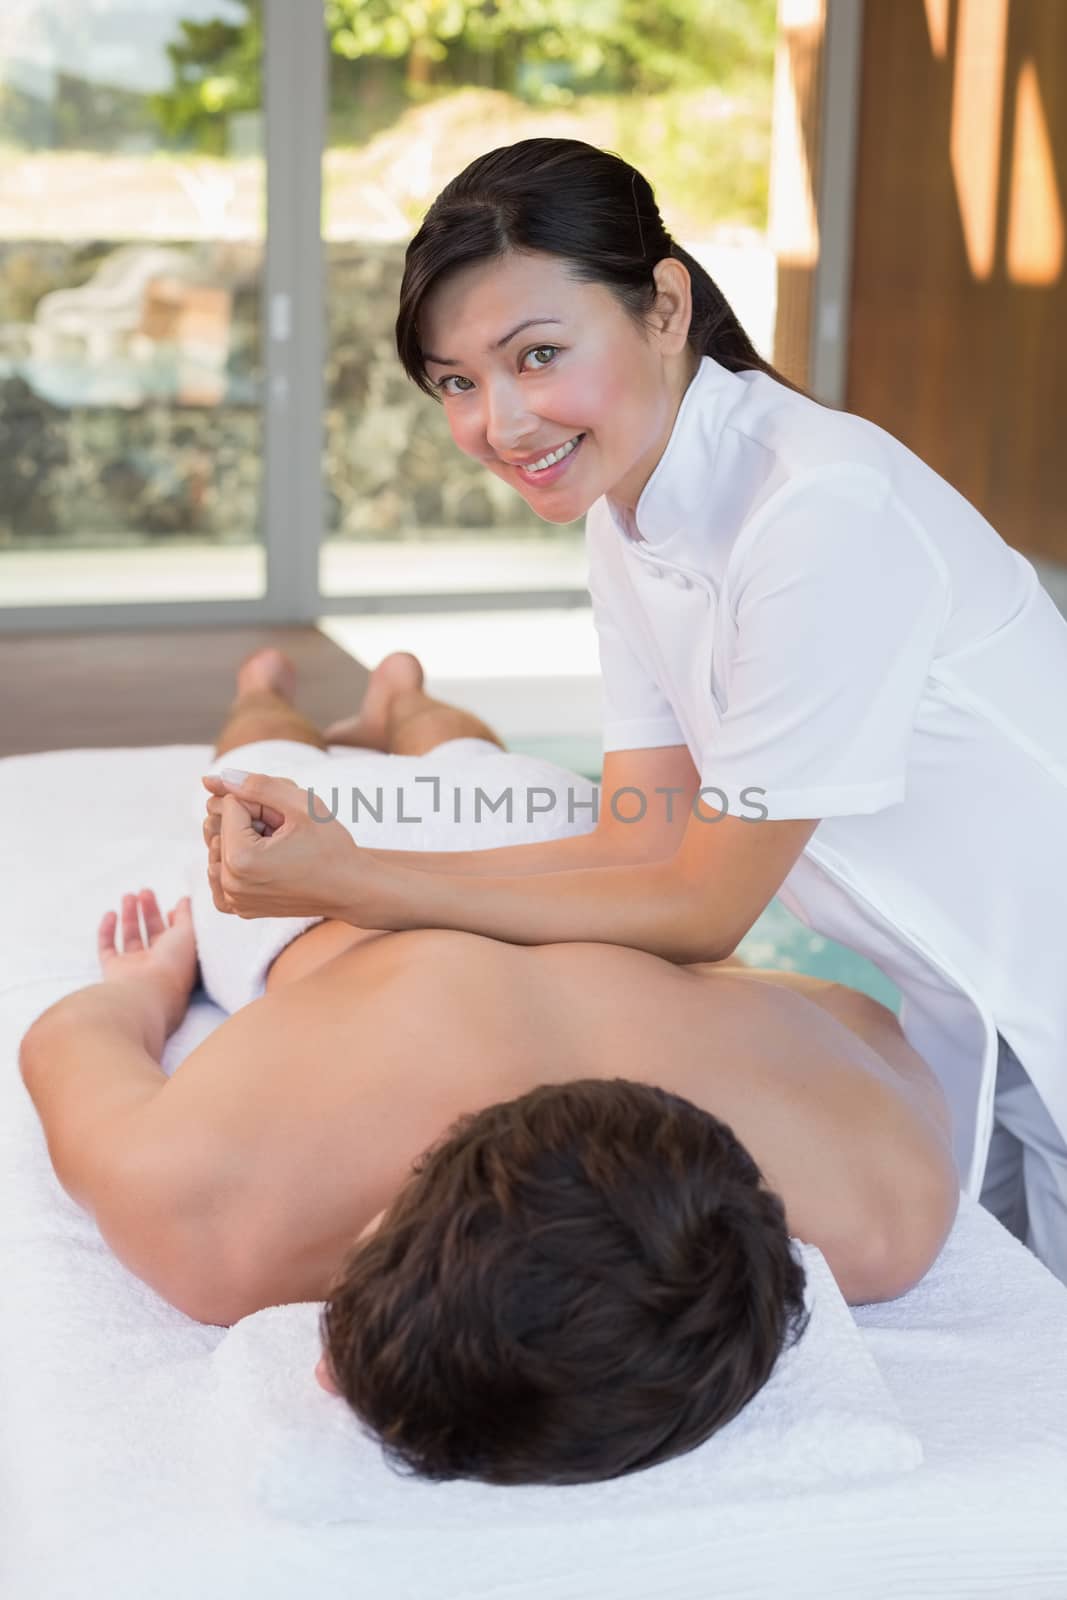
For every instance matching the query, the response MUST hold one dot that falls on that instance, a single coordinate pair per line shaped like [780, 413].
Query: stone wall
[95, 450]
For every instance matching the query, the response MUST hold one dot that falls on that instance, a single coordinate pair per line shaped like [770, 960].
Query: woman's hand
[166, 963]
[269, 856]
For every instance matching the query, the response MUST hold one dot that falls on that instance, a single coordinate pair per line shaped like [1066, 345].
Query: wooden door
[958, 317]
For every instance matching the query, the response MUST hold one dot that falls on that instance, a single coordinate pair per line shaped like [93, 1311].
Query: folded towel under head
[283, 1447]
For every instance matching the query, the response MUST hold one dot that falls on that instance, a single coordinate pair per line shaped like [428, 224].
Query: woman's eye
[552, 350]
[540, 349]
[454, 378]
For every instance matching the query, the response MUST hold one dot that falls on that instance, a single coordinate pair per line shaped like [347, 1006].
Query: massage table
[145, 1455]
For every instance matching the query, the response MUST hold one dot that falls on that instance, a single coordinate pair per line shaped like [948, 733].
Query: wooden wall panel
[794, 181]
[958, 321]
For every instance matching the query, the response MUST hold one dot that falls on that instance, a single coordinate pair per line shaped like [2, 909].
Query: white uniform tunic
[822, 619]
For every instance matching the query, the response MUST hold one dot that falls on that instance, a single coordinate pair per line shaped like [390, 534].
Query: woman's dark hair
[569, 199]
[573, 1285]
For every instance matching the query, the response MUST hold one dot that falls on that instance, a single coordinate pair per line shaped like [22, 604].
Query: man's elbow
[32, 1056]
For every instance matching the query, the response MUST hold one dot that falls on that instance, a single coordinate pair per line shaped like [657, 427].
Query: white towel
[117, 1410]
[282, 1446]
[533, 800]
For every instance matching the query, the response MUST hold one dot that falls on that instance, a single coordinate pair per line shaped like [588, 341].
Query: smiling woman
[533, 467]
[605, 384]
[795, 615]
[606, 391]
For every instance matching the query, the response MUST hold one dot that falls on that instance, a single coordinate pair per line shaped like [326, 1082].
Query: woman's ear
[674, 303]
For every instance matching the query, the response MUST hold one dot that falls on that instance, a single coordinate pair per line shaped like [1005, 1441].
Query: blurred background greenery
[682, 87]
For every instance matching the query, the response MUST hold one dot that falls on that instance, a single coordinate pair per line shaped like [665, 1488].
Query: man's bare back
[299, 1118]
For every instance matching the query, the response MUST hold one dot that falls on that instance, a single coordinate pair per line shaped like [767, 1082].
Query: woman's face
[581, 370]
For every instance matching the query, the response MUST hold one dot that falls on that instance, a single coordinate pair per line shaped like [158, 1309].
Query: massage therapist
[825, 675]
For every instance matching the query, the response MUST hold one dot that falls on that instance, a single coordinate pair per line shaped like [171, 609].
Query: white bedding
[142, 1455]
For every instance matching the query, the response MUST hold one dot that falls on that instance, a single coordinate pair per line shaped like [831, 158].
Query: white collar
[677, 491]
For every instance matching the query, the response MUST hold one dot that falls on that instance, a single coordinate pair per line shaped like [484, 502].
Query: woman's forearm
[645, 906]
[518, 860]
[620, 845]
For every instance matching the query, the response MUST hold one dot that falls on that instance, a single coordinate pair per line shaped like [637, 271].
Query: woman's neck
[627, 513]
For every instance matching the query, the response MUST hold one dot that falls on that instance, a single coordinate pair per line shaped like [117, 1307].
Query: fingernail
[232, 775]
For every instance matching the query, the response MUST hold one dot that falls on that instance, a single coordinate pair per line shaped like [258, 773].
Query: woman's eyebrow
[454, 361]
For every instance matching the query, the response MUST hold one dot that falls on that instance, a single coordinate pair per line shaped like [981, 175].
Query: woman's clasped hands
[274, 850]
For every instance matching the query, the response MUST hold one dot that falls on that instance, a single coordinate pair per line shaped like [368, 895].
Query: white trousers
[1025, 1183]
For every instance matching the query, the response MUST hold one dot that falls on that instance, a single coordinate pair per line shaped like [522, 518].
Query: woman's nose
[509, 429]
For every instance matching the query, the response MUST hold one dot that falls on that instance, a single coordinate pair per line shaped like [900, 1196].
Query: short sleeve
[839, 604]
[636, 714]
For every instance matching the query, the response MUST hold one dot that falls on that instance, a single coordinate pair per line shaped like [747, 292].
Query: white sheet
[110, 1476]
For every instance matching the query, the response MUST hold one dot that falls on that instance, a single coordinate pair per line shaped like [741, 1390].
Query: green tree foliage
[216, 68]
[542, 51]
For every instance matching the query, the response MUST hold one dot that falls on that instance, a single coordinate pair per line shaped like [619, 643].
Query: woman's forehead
[486, 299]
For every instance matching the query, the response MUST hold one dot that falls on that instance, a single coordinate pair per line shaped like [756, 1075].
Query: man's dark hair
[572, 1285]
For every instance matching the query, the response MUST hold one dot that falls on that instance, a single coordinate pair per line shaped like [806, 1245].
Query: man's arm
[91, 1066]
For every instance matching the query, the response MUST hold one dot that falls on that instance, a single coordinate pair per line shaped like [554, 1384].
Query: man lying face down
[592, 1270]
[575, 1284]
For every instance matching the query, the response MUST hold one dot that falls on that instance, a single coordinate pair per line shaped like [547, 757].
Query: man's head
[572, 1285]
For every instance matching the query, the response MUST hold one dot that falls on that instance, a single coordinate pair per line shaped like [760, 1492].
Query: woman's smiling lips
[552, 473]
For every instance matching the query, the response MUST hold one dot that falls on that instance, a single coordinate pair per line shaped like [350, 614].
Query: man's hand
[167, 963]
[269, 856]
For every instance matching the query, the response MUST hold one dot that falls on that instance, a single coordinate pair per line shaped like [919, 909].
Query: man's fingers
[153, 917]
[131, 927]
[183, 911]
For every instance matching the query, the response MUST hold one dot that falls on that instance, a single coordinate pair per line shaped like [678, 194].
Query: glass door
[199, 422]
[132, 230]
[415, 93]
